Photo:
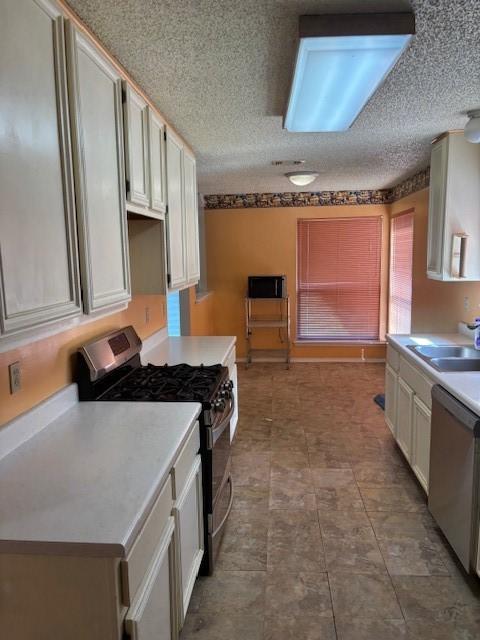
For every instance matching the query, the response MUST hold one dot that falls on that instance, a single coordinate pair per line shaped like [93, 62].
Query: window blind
[401, 256]
[338, 278]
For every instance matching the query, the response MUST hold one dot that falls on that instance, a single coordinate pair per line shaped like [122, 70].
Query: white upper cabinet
[97, 127]
[176, 250]
[191, 217]
[158, 183]
[454, 210]
[38, 246]
[136, 147]
[182, 218]
[145, 155]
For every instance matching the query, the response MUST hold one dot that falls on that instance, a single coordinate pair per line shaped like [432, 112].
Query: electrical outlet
[466, 303]
[15, 377]
[147, 315]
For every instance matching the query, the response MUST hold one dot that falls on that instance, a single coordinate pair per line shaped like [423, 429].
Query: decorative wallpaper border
[417, 182]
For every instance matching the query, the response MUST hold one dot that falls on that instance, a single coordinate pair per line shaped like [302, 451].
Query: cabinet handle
[230, 504]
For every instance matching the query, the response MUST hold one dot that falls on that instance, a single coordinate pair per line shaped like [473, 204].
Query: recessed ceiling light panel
[341, 61]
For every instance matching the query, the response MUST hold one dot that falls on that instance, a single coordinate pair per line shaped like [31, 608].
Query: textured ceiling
[219, 70]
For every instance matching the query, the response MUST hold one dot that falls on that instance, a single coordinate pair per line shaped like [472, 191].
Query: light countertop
[85, 484]
[463, 385]
[194, 350]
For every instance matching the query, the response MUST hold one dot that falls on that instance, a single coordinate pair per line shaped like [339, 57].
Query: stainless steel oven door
[220, 439]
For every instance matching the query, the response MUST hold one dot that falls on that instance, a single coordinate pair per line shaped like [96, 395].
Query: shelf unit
[279, 320]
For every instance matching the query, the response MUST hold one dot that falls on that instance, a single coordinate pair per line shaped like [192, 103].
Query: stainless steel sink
[449, 358]
[446, 352]
[456, 364]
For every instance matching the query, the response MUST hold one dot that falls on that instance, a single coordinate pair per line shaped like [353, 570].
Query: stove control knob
[219, 405]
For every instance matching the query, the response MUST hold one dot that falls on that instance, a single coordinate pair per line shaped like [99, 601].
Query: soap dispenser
[476, 336]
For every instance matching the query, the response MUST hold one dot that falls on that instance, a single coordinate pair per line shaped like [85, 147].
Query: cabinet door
[177, 263]
[191, 217]
[421, 441]
[38, 245]
[188, 511]
[436, 208]
[391, 385]
[158, 188]
[152, 615]
[96, 110]
[136, 147]
[404, 417]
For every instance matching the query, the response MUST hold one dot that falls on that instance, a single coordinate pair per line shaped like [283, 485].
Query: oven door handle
[229, 508]
[218, 430]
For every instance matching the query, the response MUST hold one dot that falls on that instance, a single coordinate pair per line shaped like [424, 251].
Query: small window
[338, 279]
[173, 313]
[401, 264]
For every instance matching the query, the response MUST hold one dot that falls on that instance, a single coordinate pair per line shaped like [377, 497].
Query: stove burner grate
[179, 383]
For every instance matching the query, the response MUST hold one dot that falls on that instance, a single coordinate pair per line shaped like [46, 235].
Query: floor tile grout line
[333, 609]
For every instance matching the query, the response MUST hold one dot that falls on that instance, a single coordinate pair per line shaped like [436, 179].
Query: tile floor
[330, 537]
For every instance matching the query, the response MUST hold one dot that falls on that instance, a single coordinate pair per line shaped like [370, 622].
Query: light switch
[15, 377]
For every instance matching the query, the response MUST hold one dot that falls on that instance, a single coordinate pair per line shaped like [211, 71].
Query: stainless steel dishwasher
[453, 486]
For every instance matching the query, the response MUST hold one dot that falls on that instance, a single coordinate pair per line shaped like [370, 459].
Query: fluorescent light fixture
[301, 178]
[341, 61]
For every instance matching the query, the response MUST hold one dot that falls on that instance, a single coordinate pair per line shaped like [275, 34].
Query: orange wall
[201, 314]
[47, 365]
[436, 306]
[263, 241]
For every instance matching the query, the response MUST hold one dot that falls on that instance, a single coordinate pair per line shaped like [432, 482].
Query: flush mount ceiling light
[472, 128]
[301, 178]
[341, 61]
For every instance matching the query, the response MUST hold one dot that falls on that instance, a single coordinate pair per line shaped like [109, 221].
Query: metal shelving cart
[280, 319]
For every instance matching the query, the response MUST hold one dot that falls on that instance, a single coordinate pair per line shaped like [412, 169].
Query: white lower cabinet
[391, 384]
[188, 512]
[421, 441]
[404, 417]
[407, 411]
[152, 614]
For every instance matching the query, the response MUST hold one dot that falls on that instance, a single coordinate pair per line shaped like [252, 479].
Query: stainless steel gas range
[109, 369]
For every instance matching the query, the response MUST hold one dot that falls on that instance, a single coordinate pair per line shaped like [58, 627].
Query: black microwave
[267, 286]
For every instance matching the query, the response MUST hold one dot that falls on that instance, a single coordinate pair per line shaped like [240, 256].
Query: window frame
[406, 212]
[384, 284]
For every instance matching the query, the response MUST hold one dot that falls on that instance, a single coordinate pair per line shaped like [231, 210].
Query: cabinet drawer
[181, 468]
[152, 614]
[417, 381]
[140, 557]
[393, 358]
